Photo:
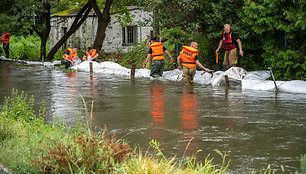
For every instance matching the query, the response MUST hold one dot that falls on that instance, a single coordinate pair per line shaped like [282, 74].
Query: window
[129, 35]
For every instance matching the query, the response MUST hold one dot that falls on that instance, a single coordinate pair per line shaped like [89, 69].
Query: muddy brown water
[254, 128]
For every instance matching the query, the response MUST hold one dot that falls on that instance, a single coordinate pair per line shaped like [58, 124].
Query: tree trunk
[102, 25]
[78, 21]
[103, 21]
[44, 34]
[155, 24]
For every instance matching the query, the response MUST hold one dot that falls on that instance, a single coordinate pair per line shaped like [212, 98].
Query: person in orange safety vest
[91, 55]
[6, 44]
[69, 57]
[188, 58]
[156, 51]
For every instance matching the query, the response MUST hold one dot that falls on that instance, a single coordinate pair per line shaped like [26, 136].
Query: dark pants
[157, 68]
[66, 63]
[6, 48]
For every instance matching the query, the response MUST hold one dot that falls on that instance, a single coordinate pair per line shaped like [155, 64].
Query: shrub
[20, 107]
[136, 55]
[25, 47]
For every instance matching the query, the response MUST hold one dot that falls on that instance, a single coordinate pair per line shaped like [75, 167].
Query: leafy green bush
[287, 64]
[20, 107]
[136, 55]
[25, 48]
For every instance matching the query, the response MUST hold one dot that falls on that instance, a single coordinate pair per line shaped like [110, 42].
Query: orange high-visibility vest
[4, 39]
[92, 54]
[187, 56]
[71, 55]
[157, 51]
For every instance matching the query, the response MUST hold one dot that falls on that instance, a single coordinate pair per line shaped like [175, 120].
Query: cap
[153, 39]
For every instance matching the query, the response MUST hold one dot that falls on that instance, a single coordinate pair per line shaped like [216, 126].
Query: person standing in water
[188, 58]
[230, 41]
[156, 51]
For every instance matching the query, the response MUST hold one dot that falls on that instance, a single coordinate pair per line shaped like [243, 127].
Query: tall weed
[90, 153]
[19, 106]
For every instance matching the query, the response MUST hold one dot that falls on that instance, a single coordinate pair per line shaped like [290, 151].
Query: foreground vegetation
[30, 145]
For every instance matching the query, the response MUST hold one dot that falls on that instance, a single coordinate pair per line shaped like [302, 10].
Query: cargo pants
[230, 58]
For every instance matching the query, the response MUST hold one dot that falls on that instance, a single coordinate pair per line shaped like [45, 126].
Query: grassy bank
[29, 145]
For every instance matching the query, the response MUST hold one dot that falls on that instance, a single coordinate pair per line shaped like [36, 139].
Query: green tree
[78, 21]
[281, 27]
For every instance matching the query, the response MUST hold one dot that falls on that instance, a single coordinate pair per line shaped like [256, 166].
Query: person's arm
[147, 59]
[168, 53]
[201, 66]
[240, 47]
[219, 46]
[179, 63]
[84, 58]
[96, 55]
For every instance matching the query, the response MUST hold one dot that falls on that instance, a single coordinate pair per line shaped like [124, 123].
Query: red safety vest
[4, 39]
[227, 41]
[187, 56]
[157, 51]
[71, 55]
[92, 54]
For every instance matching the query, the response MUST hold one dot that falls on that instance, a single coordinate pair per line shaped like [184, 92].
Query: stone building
[117, 38]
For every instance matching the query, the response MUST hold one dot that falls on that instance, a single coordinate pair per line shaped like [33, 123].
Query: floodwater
[254, 128]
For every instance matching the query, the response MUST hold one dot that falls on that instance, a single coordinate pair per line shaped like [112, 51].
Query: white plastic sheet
[255, 80]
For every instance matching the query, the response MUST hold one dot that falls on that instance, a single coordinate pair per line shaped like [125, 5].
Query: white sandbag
[236, 73]
[294, 86]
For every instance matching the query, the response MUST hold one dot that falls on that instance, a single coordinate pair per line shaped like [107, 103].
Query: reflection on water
[158, 111]
[255, 128]
[189, 120]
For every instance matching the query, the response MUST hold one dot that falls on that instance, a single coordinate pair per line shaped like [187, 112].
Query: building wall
[85, 35]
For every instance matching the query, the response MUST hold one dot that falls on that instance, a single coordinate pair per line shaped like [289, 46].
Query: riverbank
[29, 145]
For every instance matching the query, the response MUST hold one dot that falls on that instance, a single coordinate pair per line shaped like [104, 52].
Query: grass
[29, 145]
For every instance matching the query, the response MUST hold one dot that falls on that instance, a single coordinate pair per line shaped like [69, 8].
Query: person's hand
[144, 65]
[217, 50]
[241, 53]
[172, 60]
[207, 70]
[179, 67]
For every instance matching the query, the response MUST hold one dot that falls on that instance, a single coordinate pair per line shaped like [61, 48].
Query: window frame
[129, 40]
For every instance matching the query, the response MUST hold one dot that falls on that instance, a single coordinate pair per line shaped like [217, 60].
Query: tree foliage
[272, 32]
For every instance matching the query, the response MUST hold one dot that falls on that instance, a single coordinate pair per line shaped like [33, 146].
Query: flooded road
[254, 128]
